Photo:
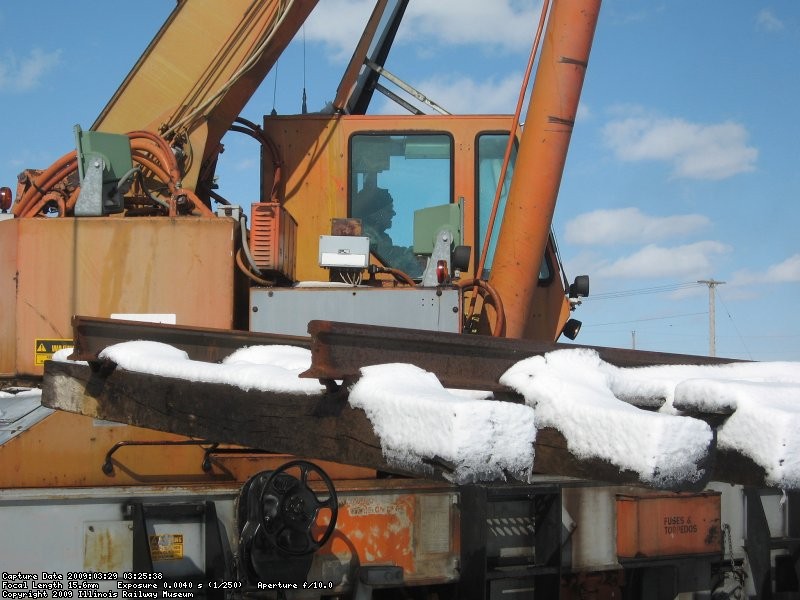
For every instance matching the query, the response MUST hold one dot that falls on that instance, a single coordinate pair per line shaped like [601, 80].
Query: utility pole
[712, 334]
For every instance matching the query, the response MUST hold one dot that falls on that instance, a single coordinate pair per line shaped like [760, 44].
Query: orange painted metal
[315, 151]
[9, 267]
[315, 148]
[410, 524]
[657, 525]
[52, 269]
[68, 450]
[540, 160]
[273, 238]
[549, 310]
[182, 266]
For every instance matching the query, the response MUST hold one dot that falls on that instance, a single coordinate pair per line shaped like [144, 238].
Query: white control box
[343, 252]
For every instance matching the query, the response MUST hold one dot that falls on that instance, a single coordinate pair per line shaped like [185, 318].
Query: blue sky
[683, 164]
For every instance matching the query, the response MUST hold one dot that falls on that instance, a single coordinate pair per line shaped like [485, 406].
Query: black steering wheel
[288, 509]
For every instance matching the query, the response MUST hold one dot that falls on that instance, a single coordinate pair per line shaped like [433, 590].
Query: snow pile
[263, 368]
[420, 423]
[764, 399]
[581, 396]
[63, 356]
[765, 425]
[571, 391]
[416, 418]
[651, 384]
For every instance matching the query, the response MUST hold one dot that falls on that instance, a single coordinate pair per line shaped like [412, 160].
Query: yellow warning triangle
[41, 348]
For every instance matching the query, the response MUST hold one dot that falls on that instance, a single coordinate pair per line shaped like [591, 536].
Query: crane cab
[329, 164]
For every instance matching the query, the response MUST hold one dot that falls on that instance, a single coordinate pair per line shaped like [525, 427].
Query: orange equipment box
[52, 269]
[273, 238]
[668, 524]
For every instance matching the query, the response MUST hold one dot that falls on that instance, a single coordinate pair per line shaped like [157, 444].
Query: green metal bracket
[103, 159]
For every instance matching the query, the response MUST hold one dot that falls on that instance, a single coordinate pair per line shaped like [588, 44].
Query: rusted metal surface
[93, 334]
[339, 350]
[658, 525]
[321, 427]
[410, 530]
[107, 546]
[331, 429]
[57, 268]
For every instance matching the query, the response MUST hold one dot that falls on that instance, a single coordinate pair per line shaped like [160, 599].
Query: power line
[659, 289]
[773, 336]
[646, 319]
[738, 333]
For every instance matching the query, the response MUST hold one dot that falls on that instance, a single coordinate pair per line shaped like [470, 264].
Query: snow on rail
[415, 417]
[586, 399]
[571, 391]
[580, 395]
[262, 368]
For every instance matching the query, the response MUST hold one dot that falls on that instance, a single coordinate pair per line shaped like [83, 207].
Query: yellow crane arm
[200, 70]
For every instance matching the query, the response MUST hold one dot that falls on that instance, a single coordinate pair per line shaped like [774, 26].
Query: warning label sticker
[166, 546]
[45, 348]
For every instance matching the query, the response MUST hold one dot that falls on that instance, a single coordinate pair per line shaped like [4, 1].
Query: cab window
[491, 148]
[391, 176]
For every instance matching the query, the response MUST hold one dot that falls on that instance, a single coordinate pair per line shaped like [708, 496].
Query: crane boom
[200, 70]
[541, 158]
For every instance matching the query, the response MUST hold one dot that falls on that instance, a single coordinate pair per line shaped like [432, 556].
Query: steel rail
[92, 335]
[339, 350]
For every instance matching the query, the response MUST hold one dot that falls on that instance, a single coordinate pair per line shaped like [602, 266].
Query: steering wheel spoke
[289, 508]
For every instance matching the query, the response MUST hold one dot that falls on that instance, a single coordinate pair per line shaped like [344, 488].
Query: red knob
[5, 198]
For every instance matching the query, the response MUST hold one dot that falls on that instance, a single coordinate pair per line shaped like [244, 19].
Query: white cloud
[22, 75]
[246, 164]
[787, 271]
[696, 151]
[503, 24]
[690, 261]
[463, 95]
[338, 24]
[629, 225]
[767, 21]
[506, 24]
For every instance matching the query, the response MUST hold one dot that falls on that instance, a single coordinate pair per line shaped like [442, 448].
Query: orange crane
[142, 234]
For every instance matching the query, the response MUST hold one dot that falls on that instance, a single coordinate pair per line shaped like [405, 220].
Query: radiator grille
[273, 238]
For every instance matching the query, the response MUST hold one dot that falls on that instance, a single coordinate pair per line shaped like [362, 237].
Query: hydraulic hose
[475, 284]
[259, 135]
[148, 150]
[401, 276]
[244, 269]
[246, 245]
[44, 181]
